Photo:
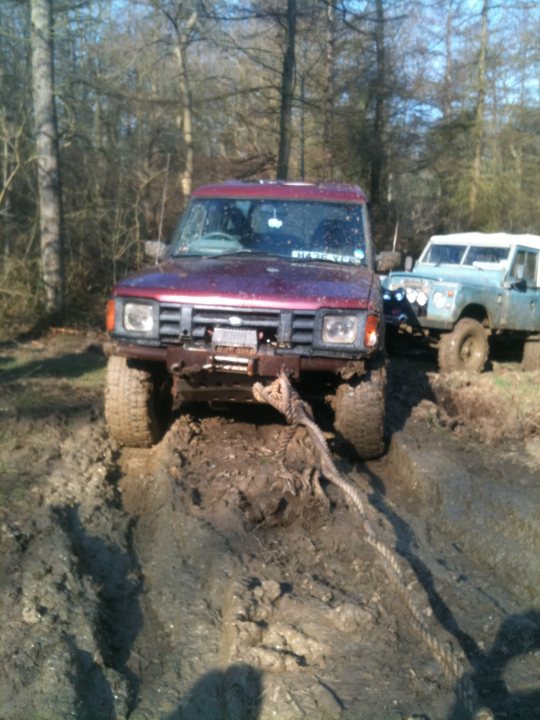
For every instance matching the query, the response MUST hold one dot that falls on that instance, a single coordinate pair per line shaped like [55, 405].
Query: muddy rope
[281, 395]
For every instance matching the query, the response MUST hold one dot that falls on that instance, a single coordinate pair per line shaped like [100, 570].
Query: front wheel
[465, 348]
[137, 402]
[359, 413]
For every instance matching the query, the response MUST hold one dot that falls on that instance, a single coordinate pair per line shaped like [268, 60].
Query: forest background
[112, 111]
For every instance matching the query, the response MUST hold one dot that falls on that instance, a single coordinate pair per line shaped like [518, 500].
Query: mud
[202, 580]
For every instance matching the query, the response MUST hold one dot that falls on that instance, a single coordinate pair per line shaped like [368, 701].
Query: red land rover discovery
[259, 277]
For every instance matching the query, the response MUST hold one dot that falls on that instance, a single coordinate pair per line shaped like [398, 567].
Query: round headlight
[421, 298]
[439, 299]
[411, 295]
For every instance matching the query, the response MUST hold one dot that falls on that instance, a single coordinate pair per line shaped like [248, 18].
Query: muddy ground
[203, 580]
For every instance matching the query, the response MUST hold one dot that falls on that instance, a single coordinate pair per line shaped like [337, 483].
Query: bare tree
[50, 205]
[287, 93]
[182, 18]
[329, 86]
[479, 115]
[379, 91]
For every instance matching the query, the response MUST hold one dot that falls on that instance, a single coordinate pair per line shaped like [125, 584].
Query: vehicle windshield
[297, 229]
[437, 254]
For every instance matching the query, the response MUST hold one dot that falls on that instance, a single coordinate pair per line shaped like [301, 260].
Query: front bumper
[186, 362]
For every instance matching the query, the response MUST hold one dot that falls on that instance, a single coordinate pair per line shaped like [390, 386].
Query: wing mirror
[514, 283]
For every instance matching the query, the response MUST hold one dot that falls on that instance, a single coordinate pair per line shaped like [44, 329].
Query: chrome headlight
[412, 294]
[439, 299]
[138, 317]
[340, 329]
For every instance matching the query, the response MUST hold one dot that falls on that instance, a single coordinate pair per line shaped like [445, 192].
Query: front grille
[195, 324]
[303, 324]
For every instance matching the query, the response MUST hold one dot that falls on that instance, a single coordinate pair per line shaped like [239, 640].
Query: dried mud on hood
[199, 580]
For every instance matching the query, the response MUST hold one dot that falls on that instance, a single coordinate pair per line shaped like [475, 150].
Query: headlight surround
[340, 329]
[138, 317]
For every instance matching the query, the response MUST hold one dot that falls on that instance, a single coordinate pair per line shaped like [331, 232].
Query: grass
[82, 368]
[42, 378]
[499, 405]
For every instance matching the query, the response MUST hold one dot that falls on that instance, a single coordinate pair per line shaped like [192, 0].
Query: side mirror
[155, 250]
[409, 263]
[513, 283]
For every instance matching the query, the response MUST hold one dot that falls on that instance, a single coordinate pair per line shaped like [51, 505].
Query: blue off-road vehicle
[464, 288]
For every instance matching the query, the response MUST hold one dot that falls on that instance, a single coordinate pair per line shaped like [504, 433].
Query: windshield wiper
[234, 253]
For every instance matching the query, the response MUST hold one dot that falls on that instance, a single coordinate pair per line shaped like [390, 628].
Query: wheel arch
[476, 311]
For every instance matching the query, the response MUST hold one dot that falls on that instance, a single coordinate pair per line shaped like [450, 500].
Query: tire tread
[359, 414]
[128, 404]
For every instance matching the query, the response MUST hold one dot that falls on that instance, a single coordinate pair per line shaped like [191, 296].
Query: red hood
[250, 281]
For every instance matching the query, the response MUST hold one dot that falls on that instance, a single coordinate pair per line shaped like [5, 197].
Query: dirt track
[198, 580]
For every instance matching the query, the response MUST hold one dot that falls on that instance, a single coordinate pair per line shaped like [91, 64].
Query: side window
[518, 268]
[531, 269]
[525, 267]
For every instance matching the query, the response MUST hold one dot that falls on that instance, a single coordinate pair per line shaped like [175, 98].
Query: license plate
[234, 337]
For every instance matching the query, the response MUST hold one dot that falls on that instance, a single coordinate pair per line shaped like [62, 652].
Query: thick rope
[284, 398]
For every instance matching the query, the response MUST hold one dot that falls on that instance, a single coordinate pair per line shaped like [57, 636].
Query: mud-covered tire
[359, 413]
[465, 348]
[531, 354]
[136, 403]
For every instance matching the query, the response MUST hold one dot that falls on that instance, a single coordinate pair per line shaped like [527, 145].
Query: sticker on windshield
[331, 257]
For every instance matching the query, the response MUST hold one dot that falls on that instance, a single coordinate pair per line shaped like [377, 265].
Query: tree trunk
[378, 151]
[479, 116]
[287, 93]
[187, 119]
[446, 100]
[329, 89]
[50, 205]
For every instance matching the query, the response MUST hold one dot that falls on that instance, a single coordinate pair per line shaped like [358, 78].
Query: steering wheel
[218, 235]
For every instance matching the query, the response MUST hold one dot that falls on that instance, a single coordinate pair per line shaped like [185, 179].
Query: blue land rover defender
[466, 287]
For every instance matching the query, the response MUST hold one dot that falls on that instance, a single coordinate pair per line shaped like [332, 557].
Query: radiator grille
[183, 323]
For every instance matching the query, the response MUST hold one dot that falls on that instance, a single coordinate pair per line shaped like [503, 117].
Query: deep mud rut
[199, 580]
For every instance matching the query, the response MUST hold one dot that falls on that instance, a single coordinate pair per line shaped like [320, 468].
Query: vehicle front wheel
[531, 354]
[359, 413]
[137, 402]
[465, 348]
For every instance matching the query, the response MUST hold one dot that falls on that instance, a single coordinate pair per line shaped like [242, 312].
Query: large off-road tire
[359, 413]
[137, 403]
[531, 354]
[465, 348]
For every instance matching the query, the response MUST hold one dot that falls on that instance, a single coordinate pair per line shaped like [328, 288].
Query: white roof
[500, 239]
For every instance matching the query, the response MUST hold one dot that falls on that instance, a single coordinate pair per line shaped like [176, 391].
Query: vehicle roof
[500, 239]
[283, 190]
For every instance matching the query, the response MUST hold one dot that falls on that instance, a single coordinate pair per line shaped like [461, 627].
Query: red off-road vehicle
[259, 278]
